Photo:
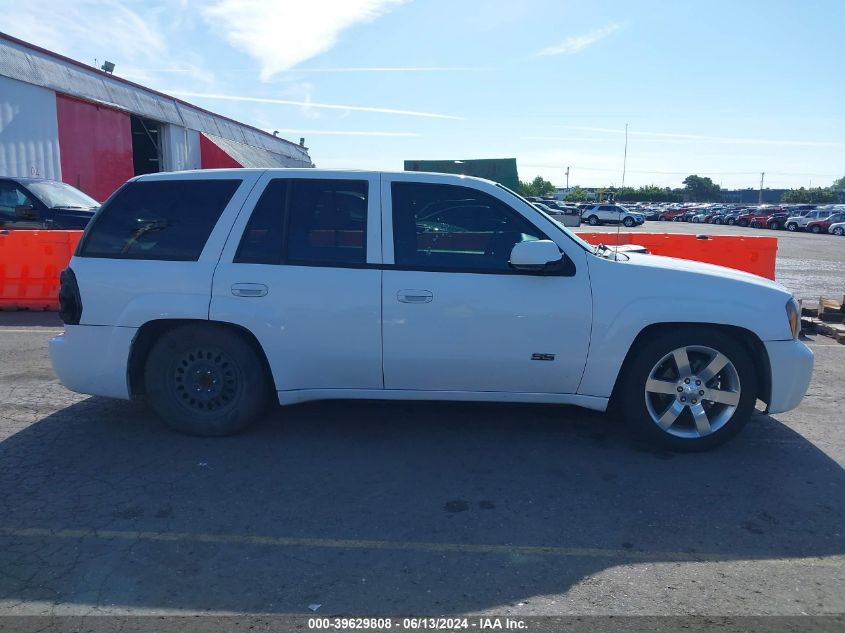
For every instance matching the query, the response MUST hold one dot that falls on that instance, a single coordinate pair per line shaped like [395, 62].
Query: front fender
[631, 296]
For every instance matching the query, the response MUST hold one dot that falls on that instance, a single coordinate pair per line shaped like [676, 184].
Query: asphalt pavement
[409, 508]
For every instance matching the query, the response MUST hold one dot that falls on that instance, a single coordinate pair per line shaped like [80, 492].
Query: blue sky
[725, 89]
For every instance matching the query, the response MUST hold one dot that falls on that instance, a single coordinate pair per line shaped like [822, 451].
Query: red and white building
[68, 121]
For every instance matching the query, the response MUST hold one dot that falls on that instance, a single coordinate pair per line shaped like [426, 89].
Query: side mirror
[25, 212]
[542, 256]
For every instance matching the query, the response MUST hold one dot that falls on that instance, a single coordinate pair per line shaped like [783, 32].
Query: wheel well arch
[151, 331]
[745, 337]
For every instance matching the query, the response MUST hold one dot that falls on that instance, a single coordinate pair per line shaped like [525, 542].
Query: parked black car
[38, 203]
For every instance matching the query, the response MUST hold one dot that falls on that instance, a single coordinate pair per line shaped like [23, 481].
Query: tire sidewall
[252, 381]
[650, 351]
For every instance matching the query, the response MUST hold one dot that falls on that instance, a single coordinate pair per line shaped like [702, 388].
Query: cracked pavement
[409, 508]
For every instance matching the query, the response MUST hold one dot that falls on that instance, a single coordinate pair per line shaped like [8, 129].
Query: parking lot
[419, 508]
[809, 265]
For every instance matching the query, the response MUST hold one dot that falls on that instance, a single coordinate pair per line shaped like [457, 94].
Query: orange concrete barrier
[752, 254]
[30, 264]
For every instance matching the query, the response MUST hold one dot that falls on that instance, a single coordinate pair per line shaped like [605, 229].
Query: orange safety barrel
[752, 254]
[30, 264]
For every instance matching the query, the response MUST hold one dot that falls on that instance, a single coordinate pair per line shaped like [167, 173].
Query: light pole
[567, 180]
[760, 197]
[625, 156]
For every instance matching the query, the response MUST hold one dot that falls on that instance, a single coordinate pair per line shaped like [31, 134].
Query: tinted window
[160, 219]
[327, 222]
[455, 228]
[11, 197]
[262, 239]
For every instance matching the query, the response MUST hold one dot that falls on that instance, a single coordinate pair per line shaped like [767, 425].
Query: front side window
[12, 197]
[158, 219]
[448, 227]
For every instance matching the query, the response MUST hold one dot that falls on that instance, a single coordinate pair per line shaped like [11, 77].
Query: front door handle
[249, 290]
[415, 296]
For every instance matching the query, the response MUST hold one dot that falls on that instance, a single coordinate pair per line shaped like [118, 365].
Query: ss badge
[542, 356]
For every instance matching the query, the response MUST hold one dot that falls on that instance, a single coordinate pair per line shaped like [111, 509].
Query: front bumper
[791, 365]
[93, 359]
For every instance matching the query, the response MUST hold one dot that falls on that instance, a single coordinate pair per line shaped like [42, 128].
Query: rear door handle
[249, 290]
[415, 296]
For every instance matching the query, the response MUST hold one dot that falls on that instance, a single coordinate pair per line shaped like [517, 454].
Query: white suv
[213, 293]
[795, 222]
[611, 213]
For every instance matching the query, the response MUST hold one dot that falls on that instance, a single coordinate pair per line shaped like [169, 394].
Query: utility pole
[625, 157]
[567, 180]
[760, 197]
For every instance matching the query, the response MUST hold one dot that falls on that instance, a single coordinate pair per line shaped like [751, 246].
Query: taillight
[70, 303]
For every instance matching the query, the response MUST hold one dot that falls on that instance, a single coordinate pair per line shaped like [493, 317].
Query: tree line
[695, 189]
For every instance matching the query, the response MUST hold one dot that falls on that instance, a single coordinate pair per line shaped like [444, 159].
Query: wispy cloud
[280, 35]
[344, 133]
[669, 137]
[397, 69]
[312, 104]
[579, 42]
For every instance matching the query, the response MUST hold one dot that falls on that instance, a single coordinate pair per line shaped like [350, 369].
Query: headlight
[793, 313]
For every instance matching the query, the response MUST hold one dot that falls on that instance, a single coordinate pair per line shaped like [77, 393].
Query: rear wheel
[593, 221]
[742, 223]
[815, 229]
[775, 225]
[206, 380]
[689, 390]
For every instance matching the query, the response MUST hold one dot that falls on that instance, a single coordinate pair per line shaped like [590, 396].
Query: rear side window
[307, 222]
[159, 219]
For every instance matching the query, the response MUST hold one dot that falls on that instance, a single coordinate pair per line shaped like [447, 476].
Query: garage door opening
[146, 146]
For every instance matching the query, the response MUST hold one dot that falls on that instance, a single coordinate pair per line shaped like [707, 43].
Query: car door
[456, 317]
[301, 272]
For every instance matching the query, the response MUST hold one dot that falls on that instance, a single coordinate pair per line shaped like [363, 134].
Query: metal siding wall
[29, 135]
[173, 139]
[96, 145]
[213, 157]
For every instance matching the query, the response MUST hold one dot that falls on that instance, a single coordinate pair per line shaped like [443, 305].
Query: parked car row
[804, 217]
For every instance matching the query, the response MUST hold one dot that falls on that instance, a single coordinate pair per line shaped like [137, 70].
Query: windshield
[58, 194]
[585, 245]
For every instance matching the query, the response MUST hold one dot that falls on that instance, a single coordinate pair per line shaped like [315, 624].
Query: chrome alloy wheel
[692, 392]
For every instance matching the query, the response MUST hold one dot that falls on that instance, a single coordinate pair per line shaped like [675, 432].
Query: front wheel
[839, 231]
[593, 221]
[690, 389]
[629, 222]
[792, 226]
[206, 380]
[731, 221]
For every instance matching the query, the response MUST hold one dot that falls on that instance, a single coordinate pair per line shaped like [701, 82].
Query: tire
[190, 358]
[654, 364]
[742, 223]
[695, 220]
[815, 229]
[663, 219]
[839, 231]
[731, 221]
[629, 222]
[593, 221]
[775, 226]
[792, 226]
[717, 221]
